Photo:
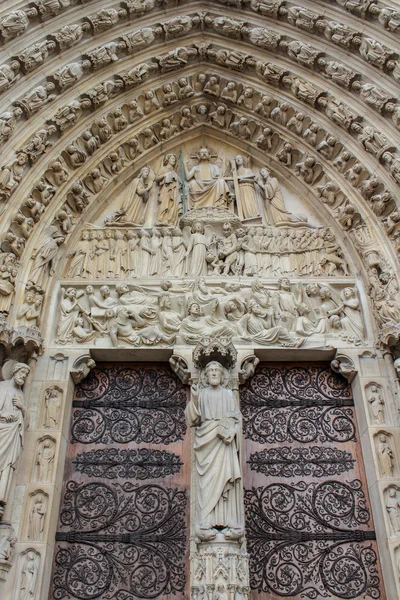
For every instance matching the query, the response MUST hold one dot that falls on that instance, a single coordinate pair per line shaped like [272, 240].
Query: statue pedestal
[219, 569]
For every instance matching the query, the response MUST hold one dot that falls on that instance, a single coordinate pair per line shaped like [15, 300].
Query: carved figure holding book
[214, 411]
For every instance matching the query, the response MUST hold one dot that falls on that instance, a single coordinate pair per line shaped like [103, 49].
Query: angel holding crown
[207, 187]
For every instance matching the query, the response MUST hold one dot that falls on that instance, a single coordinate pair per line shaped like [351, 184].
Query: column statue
[214, 411]
[13, 420]
[207, 187]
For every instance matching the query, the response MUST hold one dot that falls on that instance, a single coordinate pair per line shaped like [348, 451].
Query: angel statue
[169, 195]
[214, 412]
[136, 204]
[207, 185]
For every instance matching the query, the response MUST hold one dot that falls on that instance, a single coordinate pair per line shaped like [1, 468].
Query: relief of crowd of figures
[198, 250]
[278, 313]
[166, 182]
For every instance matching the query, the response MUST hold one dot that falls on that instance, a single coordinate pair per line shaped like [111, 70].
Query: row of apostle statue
[200, 250]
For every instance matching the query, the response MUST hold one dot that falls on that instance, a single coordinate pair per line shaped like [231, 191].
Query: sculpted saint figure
[134, 208]
[276, 209]
[385, 455]
[214, 412]
[246, 180]
[13, 417]
[393, 508]
[169, 203]
[207, 187]
[377, 405]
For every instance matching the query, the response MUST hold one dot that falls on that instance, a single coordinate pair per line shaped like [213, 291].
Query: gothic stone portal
[123, 524]
[309, 527]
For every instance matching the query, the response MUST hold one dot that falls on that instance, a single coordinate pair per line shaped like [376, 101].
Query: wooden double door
[123, 531]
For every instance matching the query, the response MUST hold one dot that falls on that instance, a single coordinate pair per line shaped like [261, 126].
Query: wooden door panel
[124, 521]
[308, 521]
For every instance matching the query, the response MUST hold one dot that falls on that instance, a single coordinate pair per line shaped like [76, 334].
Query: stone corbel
[345, 366]
[19, 343]
[247, 368]
[7, 543]
[181, 368]
[82, 367]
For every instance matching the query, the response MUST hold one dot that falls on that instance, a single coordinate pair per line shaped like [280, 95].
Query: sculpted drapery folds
[13, 421]
[207, 186]
[213, 410]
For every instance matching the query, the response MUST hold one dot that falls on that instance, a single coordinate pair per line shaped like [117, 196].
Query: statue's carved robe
[217, 463]
[11, 433]
[208, 188]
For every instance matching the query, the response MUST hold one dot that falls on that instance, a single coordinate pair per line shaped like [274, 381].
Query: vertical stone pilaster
[377, 410]
[40, 470]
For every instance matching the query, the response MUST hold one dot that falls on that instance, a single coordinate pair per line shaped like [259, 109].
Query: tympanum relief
[184, 223]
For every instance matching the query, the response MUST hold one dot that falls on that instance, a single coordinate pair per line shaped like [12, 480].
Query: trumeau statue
[13, 420]
[214, 411]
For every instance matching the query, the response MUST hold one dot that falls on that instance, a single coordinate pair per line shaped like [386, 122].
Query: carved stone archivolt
[198, 182]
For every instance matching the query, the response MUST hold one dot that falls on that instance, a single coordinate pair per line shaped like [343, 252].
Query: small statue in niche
[36, 518]
[213, 410]
[29, 575]
[45, 460]
[385, 456]
[377, 405]
[393, 508]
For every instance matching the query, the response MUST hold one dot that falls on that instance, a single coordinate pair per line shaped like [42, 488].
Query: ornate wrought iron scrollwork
[121, 405]
[127, 541]
[141, 463]
[297, 404]
[315, 461]
[311, 539]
